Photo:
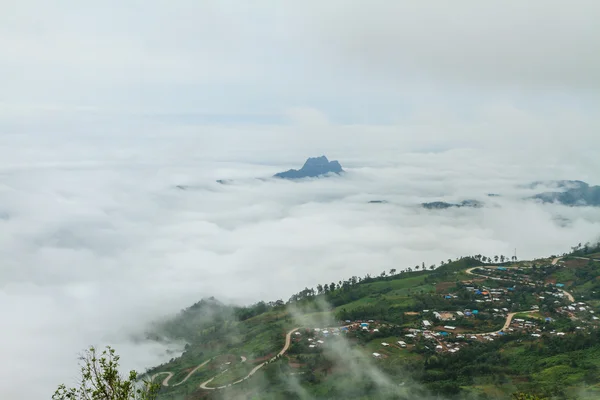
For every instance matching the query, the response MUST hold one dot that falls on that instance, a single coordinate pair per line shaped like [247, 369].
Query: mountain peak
[313, 167]
[316, 161]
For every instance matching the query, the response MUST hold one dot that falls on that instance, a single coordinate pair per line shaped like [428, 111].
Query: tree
[101, 380]
[319, 288]
[501, 258]
[495, 258]
[393, 271]
[432, 267]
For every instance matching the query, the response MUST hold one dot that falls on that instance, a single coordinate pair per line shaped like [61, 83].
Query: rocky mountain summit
[313, 167]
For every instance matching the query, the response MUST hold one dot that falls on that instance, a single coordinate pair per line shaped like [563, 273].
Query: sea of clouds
[96, 239]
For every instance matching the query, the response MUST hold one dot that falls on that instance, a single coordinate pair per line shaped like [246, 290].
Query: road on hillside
[470, 272]
[165, 382]
[288, 341]
[509, 318]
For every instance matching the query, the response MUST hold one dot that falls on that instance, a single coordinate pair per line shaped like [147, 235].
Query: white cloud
[345, 57]
[542, 44]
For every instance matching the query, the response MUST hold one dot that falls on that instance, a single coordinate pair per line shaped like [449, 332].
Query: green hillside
[460, 331]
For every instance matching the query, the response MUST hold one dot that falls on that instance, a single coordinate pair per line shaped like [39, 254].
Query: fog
[105, 109]
[94, 250]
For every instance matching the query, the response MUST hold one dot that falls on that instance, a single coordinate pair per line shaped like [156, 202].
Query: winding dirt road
[165, 382]
[288, 341]
[569, 295]
[509, 318]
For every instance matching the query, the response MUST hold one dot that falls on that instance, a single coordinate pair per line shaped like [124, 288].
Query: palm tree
[496, 258]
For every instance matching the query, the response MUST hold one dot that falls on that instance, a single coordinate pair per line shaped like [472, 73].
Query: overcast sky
[106, 106]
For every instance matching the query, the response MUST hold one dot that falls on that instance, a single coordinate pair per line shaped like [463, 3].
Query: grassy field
[394, 293]
[564, 275]
[232, 374]
[392, 352]
[529, 316]
[403, 283]
[375, 345]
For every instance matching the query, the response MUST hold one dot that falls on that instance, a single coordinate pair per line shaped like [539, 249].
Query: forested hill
[472, 328]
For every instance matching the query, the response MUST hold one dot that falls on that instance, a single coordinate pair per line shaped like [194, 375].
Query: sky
[105, 107]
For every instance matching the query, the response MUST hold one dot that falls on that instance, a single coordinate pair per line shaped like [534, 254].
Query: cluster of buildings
[316, 337]
[520, 324]
[438, 340]
[488, 295]
[445, 316]
[575, 311]
[578, 310]
[519, 273]
[365, 326]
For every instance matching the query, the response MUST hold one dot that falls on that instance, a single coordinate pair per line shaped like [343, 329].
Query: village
[502, 301]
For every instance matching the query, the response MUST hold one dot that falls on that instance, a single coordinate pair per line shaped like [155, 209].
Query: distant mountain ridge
[442, 205]
[573, 193]
[559, 184]
[312, 168]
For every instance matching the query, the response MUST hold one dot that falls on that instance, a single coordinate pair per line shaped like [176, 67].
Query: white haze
[95, 247]
[105, 108]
